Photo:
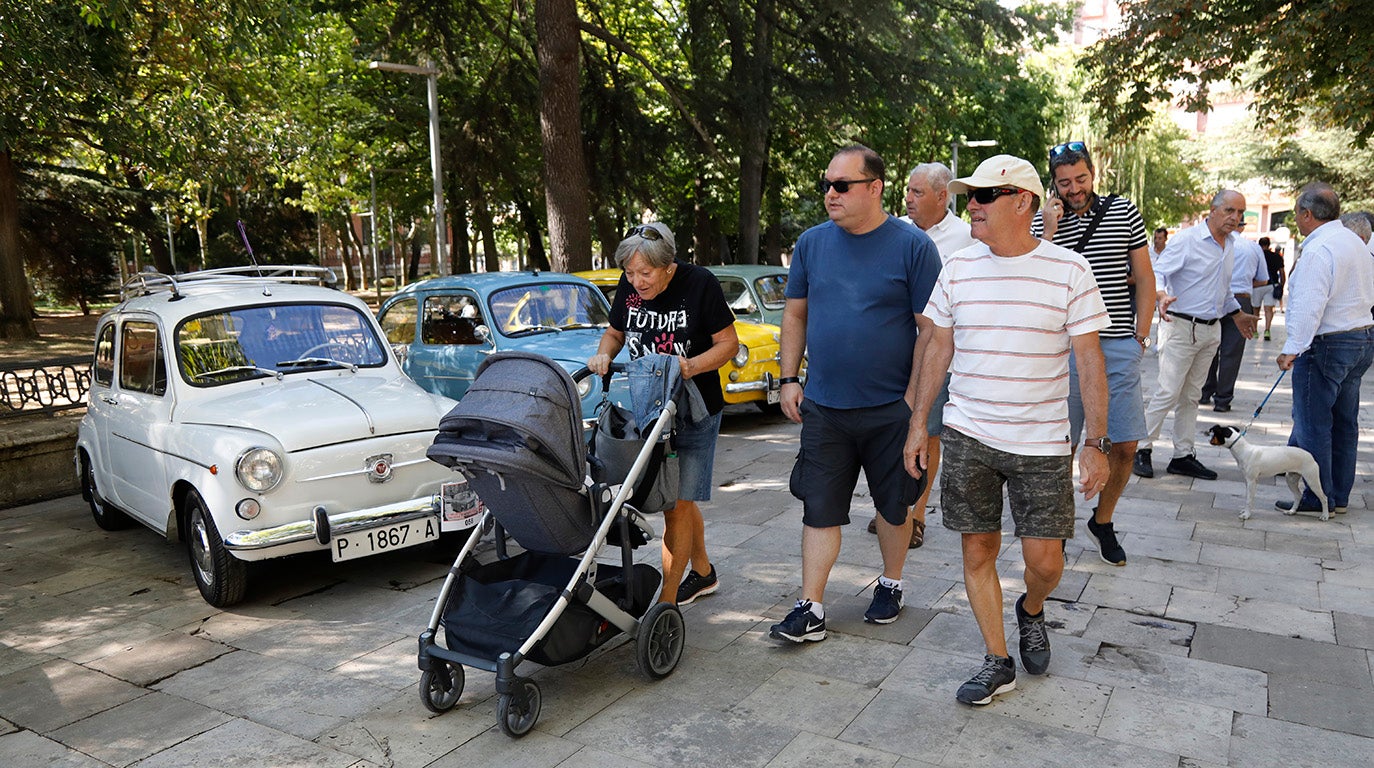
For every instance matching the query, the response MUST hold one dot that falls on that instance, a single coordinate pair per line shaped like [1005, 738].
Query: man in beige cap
[1002, 319]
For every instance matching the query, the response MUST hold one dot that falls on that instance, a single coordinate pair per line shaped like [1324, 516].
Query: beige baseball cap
[1001, 171]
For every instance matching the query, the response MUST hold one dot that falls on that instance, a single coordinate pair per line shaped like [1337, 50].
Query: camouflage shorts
[1039, 489]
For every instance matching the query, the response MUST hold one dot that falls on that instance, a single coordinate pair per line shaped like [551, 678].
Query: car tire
[106, 515]
[221, 577]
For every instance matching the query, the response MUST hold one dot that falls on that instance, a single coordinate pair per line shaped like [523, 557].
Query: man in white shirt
[1002, 319]
[1195, 273]
[1249, 273]
[1330, 342]
[927, 206]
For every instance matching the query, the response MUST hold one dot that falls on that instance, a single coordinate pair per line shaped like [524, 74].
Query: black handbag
[614, 446]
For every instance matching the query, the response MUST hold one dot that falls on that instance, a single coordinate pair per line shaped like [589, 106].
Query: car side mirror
[483, 333]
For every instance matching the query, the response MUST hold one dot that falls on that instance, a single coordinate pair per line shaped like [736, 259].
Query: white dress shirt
[1330, 289]
[1197, 270]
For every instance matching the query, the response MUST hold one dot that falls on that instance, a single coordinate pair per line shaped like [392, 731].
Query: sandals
[918, 531]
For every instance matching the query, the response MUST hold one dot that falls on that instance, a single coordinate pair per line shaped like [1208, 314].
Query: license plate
[461, 507]
[356, 544]
[774, 395]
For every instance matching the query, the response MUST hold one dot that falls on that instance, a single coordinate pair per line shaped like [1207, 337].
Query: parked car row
[254, 413]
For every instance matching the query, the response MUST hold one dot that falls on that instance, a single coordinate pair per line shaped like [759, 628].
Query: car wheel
[106, 515]
[221, 577]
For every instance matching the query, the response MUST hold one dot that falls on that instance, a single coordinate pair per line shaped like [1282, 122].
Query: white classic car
[257, 413]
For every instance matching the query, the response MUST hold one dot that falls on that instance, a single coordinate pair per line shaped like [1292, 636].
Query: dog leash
[1262, 404]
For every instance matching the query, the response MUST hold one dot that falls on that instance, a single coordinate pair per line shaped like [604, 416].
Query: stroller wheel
[662, 635]
[517, 712]
[441, 686]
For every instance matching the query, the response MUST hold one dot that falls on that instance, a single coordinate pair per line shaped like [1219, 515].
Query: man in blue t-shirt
[855, 287]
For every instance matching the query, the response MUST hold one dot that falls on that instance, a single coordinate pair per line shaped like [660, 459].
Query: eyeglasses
[986, 195]
[841, 185]
[645, 231]
[1068, 146]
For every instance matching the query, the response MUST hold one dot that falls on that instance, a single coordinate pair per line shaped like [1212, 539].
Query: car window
[547, 307]
[737, 296]
[236, 344]
[141, 365]
[398, 322]
[104, 355]
[451, 319]
[772, 290]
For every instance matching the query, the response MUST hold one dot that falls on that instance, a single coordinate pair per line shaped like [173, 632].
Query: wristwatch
[1103, 444]
[1144, 341]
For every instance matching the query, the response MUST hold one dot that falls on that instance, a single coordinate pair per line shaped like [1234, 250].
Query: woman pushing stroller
[666, 306]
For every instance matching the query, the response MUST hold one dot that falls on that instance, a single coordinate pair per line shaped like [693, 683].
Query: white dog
[1258, 461]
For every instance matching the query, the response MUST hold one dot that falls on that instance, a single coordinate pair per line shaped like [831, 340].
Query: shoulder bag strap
[1092, 225]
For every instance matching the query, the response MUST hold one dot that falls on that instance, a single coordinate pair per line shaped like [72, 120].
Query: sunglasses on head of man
[841, 186]
[1068, 146]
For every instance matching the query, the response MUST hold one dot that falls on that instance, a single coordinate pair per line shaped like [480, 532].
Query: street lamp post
[436, 167]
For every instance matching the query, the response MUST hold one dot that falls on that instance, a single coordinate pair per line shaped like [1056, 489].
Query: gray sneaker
[1035, 641]
[997, 676]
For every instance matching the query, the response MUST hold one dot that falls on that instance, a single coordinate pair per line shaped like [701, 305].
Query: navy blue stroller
[517, 437]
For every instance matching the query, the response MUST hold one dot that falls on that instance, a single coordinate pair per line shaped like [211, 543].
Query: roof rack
[146, 283]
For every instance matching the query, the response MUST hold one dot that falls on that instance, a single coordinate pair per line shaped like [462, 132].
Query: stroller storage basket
[495, 607]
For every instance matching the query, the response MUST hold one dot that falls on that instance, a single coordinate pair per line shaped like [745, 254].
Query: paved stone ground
[1221, 643]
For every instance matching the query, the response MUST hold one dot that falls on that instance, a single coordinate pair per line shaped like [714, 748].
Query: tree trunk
[413, 265]
[481, 216]
[16, 301]
[536, 258]
[754, 109]
[460, 242]
[560, 128]
[608, 233]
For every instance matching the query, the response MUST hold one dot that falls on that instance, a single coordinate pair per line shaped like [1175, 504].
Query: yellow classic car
[752, 374]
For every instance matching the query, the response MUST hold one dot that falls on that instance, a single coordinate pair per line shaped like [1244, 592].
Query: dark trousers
[1221, 377]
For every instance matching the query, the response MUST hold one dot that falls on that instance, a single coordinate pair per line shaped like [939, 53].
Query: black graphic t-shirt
[678, 321]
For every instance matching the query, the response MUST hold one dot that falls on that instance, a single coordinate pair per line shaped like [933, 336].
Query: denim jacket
[656, 379]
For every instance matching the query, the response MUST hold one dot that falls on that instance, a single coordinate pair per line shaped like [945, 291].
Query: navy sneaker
[1142, 466]
[997, 676]
[887, 603]
[1189, 466]
[695, 585]
[800, 626]
[1035, 641]
[1108, 548]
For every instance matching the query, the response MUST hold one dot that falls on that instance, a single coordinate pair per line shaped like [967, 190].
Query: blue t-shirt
[862, 294]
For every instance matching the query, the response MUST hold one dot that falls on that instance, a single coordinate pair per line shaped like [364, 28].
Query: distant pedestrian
[1248, 273]
[1002, 320]
[1267, 296]
[1330, 343]
[1195, 272]
[856, 286]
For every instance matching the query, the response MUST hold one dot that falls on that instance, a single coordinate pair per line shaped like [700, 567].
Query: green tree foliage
[1295, 57]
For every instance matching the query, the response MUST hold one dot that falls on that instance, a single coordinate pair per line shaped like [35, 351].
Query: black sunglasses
[986, 195]
[645, 231]
[841, 185]
[1068, 146]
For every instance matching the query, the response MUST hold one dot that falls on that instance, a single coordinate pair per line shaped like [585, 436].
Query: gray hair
[937, 175]
[1219, 199]
[1357, 223]
[1321, 200]
[659, 252]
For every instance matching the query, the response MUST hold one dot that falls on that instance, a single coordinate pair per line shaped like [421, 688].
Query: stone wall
[36, 458]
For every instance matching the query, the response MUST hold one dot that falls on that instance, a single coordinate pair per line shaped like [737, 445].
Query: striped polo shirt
[1122, 230]
[1013, 318]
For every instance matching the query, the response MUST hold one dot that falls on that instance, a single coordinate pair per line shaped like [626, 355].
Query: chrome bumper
[322, 526]
[762, 385]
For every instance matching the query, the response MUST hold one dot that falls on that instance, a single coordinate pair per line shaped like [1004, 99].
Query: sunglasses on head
[986, 195]
[841, 185]
[645, 231]
[1068, 146]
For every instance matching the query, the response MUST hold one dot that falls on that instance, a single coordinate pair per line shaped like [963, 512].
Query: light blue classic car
[442, 329]
[754, 291]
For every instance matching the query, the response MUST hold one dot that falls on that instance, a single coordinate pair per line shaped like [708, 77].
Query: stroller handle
[584, 372]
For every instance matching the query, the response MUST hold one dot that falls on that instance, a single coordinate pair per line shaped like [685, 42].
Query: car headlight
[258, 469]
[741, 357]
[584, 387]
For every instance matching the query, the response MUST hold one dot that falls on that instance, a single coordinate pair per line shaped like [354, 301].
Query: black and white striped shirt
[1122, 230]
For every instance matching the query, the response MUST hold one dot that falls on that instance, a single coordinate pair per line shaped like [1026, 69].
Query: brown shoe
[918, 534]
[873, 525]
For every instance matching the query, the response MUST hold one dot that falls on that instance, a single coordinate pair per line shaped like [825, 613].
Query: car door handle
[110, 399]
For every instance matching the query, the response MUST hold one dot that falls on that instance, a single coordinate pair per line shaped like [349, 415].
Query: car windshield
[772, 290]
[252, 342]
[547, 308]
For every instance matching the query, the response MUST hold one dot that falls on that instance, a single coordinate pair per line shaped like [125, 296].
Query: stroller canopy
[521, 415]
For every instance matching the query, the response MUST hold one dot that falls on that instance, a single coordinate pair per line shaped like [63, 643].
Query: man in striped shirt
[1002, 319]
[1120, 258]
